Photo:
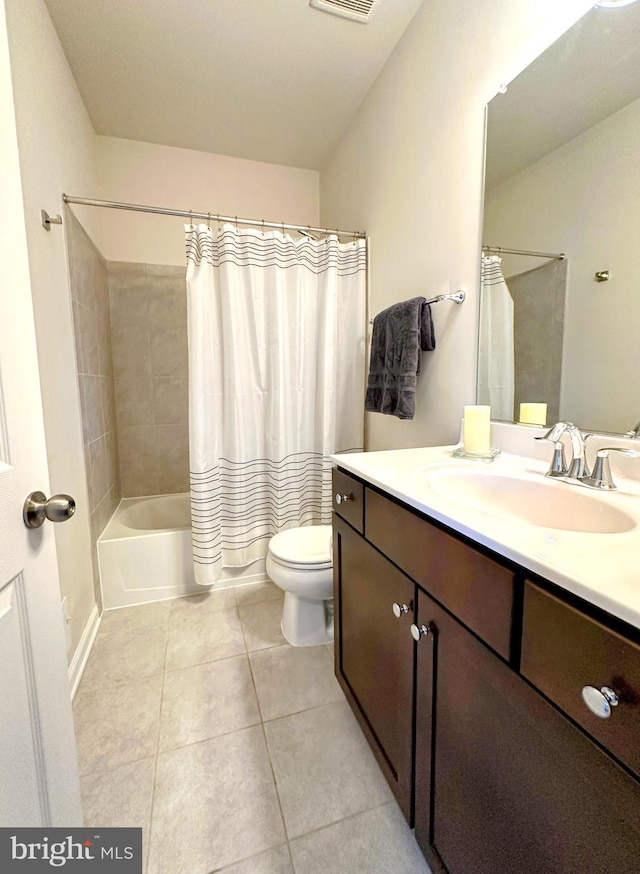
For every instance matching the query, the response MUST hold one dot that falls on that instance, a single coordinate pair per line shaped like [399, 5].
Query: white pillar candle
[477, 428]
[533, 414]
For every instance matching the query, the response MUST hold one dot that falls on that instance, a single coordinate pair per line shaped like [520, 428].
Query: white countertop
[602, 568]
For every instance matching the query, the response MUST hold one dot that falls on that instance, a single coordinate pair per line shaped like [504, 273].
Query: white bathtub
[144, 553]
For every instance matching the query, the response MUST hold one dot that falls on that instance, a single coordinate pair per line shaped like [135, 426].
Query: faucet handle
[601, 477]
[558, 465]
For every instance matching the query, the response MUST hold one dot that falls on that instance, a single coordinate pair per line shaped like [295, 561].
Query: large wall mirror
[563, 179]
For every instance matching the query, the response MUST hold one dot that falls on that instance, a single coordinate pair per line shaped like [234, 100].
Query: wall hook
[602, 276]
[48, 220]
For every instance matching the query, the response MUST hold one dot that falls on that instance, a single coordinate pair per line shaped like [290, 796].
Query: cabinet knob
[342, 499]
[399, 609]
[600, 701]
[417, 631]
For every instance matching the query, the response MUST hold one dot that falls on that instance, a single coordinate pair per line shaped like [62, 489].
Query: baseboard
[80, 656]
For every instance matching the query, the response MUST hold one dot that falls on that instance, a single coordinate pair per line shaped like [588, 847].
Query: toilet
[299, 562]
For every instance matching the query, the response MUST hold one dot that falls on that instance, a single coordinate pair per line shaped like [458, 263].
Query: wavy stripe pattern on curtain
[496, 370]
[276, 375]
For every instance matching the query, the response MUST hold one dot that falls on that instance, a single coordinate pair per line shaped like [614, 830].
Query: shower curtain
[496, 372]
[276, 376]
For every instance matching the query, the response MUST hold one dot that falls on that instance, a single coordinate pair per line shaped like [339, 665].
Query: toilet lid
[309, 545]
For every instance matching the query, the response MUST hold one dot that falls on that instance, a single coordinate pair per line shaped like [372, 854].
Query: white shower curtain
[496, 370]
[276, 376]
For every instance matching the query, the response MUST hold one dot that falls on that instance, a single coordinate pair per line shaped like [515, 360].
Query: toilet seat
[306, 548]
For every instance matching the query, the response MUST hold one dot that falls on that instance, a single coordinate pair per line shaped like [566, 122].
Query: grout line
[157, 753]
[344, 819]
[266, 745]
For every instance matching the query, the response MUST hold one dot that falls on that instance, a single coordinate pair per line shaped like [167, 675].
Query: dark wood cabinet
[505, 783]
[375, 653]
[479, 726]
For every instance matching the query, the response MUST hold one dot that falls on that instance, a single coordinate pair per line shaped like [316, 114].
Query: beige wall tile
[86, 339]
[170, 400]
[172, 448]
[169, 352]
[99, 480]
[139, 469]
[130, 345]
[91, 402]
[134, 398]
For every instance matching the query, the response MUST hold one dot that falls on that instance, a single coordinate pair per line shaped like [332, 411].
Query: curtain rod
[209, 217]
[498, 250]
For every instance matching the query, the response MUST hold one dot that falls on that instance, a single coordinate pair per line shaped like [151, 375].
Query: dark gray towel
[399, 333]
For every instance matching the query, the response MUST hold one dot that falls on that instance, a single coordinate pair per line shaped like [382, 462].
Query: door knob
[342, 499]
[58, 508]
[399, 609]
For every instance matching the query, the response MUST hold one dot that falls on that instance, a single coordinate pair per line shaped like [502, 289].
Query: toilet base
[304, 621]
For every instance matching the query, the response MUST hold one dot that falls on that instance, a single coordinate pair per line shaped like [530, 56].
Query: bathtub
[144, 553]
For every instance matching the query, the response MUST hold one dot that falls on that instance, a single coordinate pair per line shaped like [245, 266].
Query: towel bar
[456, 297]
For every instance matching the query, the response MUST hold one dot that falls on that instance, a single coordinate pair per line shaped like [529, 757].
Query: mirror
[563, 177]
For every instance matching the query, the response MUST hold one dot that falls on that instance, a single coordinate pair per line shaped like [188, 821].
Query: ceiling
[268, 80]
[592, 71]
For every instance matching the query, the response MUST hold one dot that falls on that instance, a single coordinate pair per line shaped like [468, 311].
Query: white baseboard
[80, 656]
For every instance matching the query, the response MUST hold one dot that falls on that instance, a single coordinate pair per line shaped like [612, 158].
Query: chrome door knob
[600, 701]
[399, 609]
[417, 631]
[58, 508]
[342, 499]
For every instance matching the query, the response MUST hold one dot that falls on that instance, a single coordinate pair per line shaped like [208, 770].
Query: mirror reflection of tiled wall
[149, 341]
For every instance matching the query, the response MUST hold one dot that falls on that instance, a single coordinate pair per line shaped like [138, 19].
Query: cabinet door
[516, 787]
[375, 653]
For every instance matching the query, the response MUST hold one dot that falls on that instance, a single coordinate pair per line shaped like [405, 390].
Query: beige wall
[409, 169]
[92, 331]
[56, 145]
[166, 176]
[149, 337]
[582, 200]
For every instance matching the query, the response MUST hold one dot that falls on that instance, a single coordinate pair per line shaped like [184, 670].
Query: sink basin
[541, 502]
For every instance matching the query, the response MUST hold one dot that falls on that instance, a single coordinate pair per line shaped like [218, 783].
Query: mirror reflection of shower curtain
[276, 376]
[496, 374]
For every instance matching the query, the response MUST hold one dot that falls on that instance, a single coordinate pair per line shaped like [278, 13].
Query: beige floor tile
[276, 861]
[132, 619]
[255, 593]
[375, 842]
[121, 797]
[215, 803]
[290, 679]
[207, 700]
[324, 768]
[261, 625]
[212, 600]
[124, 656]
[199, 634]
[117, 724]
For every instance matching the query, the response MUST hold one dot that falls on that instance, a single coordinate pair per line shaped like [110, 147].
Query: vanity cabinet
[494, 761]
[375, 653]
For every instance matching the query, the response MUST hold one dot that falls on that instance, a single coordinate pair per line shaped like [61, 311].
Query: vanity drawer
[563, 650]
[476, 589]
[348, 499]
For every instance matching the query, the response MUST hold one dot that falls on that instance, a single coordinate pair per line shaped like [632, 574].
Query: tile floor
[234, 751]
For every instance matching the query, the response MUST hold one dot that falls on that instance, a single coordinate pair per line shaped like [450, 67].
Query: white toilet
[299, 562]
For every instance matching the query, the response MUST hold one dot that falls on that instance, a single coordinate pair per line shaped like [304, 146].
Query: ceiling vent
[355, 10]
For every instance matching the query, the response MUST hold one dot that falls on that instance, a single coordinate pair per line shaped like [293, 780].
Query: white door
[38, 766]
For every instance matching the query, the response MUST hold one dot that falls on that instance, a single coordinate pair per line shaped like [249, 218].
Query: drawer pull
[418, 631]
[399, 609]
[600, 701]
[342, 499]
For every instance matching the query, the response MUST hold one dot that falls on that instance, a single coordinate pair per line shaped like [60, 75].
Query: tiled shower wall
[149, 341]
[90, 301]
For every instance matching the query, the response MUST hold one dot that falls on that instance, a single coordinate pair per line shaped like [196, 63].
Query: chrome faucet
[578, 467]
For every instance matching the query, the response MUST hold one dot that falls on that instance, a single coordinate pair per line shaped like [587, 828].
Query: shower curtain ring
[209, 220]
[191, 217]
[236, 223]
[263, 227]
